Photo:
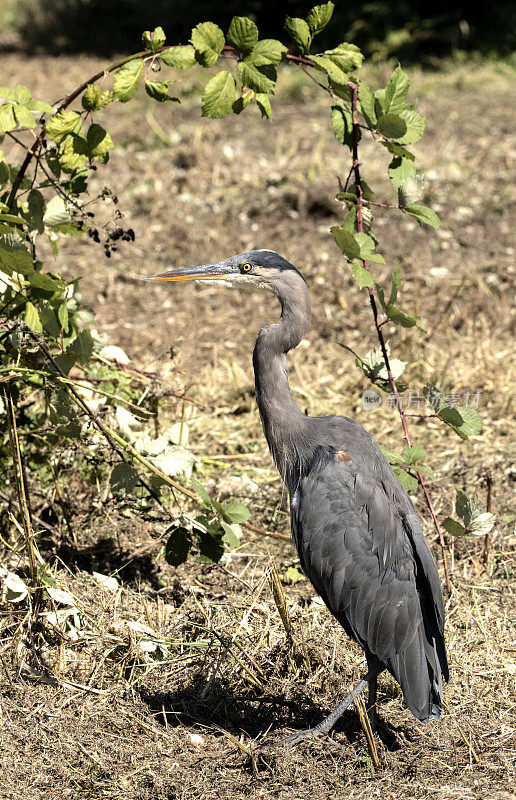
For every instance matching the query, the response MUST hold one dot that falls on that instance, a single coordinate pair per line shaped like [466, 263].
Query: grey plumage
[358, 536]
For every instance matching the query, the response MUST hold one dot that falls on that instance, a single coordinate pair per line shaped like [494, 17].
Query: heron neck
[282, 420]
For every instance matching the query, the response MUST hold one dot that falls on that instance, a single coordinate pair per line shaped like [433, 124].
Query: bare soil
[178, 674]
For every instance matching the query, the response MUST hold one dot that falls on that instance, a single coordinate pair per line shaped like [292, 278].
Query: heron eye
[246, 267]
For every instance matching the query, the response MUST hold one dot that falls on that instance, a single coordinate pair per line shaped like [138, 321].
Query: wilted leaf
[15, 588]
[106, 581]
[294, 574]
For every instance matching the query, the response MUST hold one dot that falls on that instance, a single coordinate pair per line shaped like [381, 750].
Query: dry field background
[178, 671]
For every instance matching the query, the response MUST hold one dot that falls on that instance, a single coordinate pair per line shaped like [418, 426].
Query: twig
[360, 228]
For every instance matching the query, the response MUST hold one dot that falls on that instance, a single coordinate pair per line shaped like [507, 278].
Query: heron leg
[372, 709]
[325, 726]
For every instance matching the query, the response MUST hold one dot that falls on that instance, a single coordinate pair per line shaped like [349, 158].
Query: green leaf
[62, 315]
[414, 454]
[464, 420]
[158, 90]
[346, 241]
[155, 39]
[82, 347]
[319, 17]
[48, 318]
[44, 281]
[299, 32]
[342, 124]
[392, 457]
[178, 546]
[392, 126]
[14, 256]
[367, 245]
[62, 124]
[219, 95]
[399, 317]
[56, 212]
[232, 533]
[7, 120]
[408, 481]
[397, 149]
[209, 542]
[332, 70]
[367, 104]
[395, 285]
[423, 214]
[24, 118]
[415, 127]
[393, 100]
[124, 478]
[235, 512]
[22, 95]
[243, 101]
[74, 153]
[399, 170]
[260, 79]
[5, 172]
[264, 104]
[39, 105]
[36, 203]
[181, 57]
[346, 56]
[482, 524]
[8, 93]
[32, 319]
[362, 276]
[242, 34]
[99, 143]
[208, 40]
[90, 100]
[127, 80]
[294, 574]
[453, 527]
[268, 51]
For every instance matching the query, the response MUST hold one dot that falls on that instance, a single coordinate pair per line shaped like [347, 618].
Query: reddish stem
[372, 299]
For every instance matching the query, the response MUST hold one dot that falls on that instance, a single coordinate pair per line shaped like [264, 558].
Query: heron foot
[295, 738]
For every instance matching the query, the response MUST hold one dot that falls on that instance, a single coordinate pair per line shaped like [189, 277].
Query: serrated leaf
[14, 256]
[56, 212]
[242, 34]
[123, 479]
[399, 317]
[415, 127]
[74, 153]
[178, 546]
[62, 314]
[399, 170]
[63, 124]
[261, 79]
[232, 533]
[7, 92]
[90, 100]
[408, 481]
[219, 95]
[367, 104]
[414, 454]
[423, 214]
[319, 16]
[32, 319]
[299, 32]
[235, 512]
[394, 97]
[211, 547]
[391, 125]
[23, 117]
[410, 191]
[82, 347]
[174, 460]
[181, 57]
[397, 149]
[155, 39]
[208, 36]
[158, 90]
[342, 124]
[362, 276]
[36, 204]
[22, 94]
[392, 457]
[347, 56]
[99, 143]
[127, 80]
[43, 281]
[453, 527]
[332, 70]
[482, 524]
[268, 51]
[367, 244]
[464, 420]
[264, 104]
[7, 119]
[346, 241]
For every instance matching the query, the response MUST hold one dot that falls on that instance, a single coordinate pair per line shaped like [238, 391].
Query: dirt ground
[177, 674]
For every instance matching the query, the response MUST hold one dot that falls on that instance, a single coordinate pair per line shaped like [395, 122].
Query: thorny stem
[372, 299]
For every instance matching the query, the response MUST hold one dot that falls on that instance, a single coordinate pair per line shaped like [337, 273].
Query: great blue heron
[357, 533]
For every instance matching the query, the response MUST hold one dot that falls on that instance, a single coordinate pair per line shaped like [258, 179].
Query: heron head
[262, 268]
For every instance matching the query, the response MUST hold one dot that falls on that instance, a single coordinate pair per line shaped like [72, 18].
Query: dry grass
[177, 717]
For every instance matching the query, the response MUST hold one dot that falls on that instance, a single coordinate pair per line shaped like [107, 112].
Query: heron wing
[355, 547]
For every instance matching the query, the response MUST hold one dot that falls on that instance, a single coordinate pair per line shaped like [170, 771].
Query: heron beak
[206, 272]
